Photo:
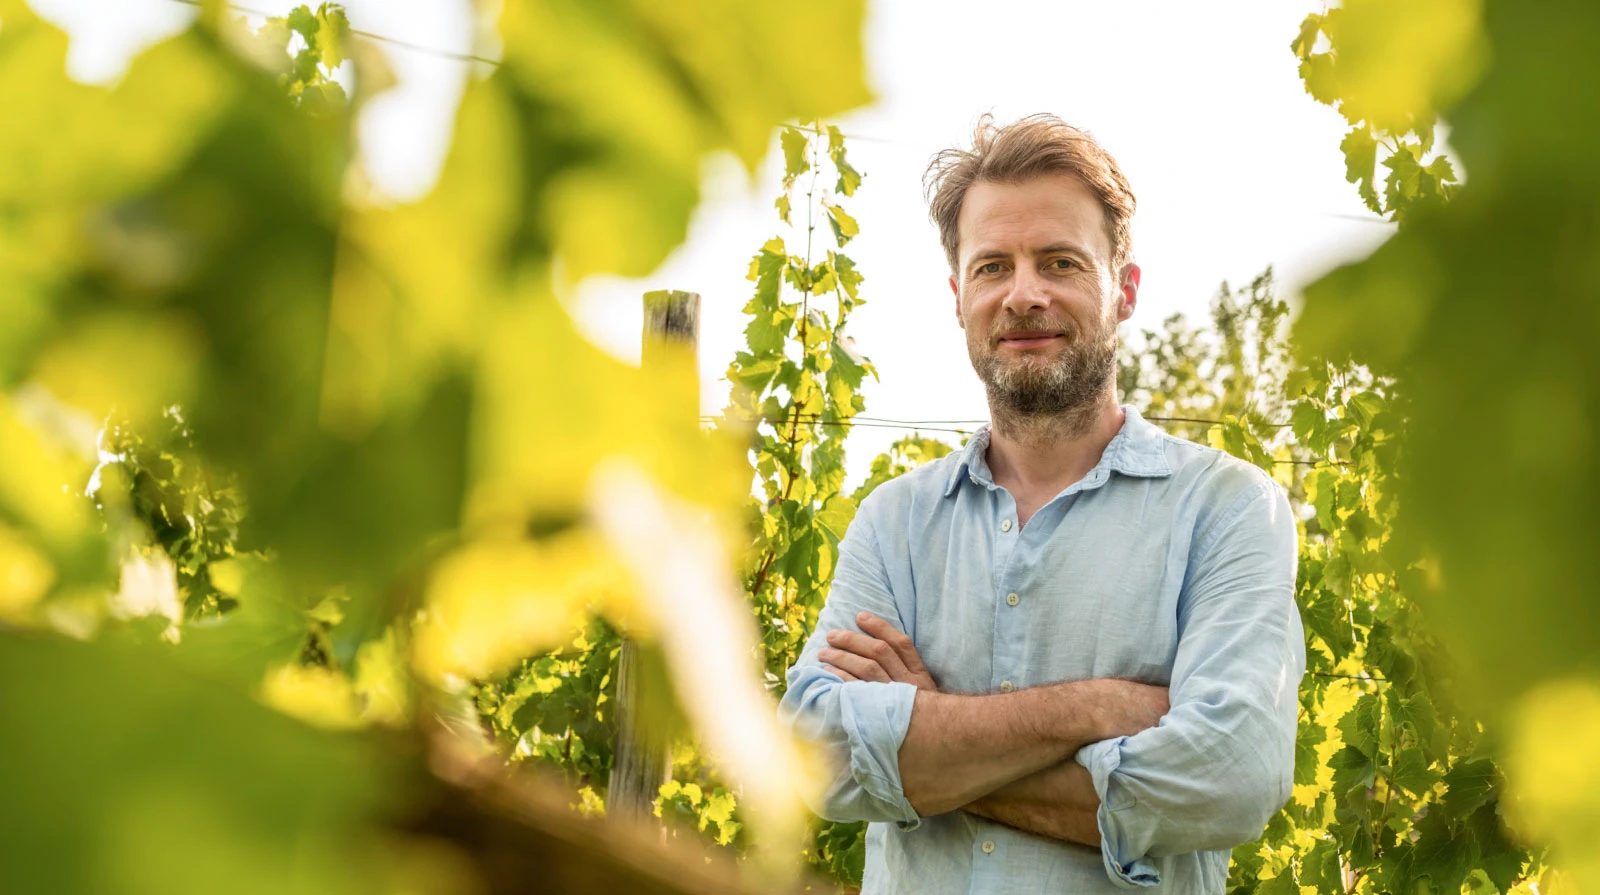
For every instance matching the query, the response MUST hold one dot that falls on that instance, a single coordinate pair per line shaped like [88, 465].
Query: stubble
[1041, 395]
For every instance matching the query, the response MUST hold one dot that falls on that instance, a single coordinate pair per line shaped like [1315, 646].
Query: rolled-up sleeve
[861, 723]
[1221, 762]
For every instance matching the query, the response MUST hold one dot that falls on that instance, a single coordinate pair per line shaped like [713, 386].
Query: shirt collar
[1139, 449]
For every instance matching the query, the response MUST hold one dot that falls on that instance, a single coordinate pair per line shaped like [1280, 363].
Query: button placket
[1008, 540]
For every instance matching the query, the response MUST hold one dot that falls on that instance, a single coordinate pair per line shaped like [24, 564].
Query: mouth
[1024, 341]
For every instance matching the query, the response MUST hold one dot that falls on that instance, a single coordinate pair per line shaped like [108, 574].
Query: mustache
[1032, 324]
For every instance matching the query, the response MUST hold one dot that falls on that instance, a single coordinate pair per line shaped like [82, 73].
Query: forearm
[960, 748]
[1058, 802]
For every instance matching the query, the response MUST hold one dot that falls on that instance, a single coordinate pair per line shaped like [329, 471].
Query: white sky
[1235, 167]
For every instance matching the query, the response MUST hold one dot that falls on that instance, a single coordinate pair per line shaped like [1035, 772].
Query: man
[1066, 658]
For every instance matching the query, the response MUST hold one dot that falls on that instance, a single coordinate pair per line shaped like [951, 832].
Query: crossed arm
[1150, 780]
[1005, 757]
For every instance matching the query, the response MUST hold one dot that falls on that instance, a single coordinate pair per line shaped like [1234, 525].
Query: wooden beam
[641, 761]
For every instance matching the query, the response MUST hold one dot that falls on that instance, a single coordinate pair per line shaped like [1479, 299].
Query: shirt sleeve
[861, 724]
[1221, 762]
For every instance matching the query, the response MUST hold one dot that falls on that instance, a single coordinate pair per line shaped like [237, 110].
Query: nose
[1028, 293]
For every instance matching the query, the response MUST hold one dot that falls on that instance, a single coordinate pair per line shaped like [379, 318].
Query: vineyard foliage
[324, 36]
[795, 390]
[1481, 310]
[346, 456]
[1365, 60]
[1395, 789]
[263, 434]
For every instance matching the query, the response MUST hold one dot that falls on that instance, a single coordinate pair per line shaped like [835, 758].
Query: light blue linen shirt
[1169, 563]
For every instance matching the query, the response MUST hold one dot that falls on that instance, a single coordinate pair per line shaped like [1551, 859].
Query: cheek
[976, 311]
[978, 295]
[1097, 292]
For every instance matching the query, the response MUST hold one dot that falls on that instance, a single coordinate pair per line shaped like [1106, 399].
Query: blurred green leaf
[153, 770]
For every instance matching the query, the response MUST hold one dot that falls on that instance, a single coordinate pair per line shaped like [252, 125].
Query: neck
[1051, 451]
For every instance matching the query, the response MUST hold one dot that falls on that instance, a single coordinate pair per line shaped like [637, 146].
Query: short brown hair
[1024, 149]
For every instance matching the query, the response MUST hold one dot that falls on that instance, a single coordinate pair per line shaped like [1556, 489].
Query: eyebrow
[1055, 248]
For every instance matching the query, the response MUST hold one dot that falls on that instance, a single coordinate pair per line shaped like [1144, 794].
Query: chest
[1088, 588]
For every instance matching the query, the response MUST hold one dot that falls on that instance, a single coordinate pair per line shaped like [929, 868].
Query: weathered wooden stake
[641, 762]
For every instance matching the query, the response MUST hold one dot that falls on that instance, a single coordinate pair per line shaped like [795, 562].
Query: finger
[857, 667]
[897, 640]
[863, 668]
[842, 675]
[869, 648]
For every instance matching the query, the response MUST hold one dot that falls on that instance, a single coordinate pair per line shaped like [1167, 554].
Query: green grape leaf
[1359, 726]
[1306, 39]
[1306, 764]
[1500, 858]
[1320, 867]
[845, 227]
[796, 148]
[1361, 163]
[1472, 782]
[1412, 773]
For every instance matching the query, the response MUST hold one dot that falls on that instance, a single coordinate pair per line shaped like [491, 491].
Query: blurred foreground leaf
[1486, 309]
[401, 410]
[124, 774]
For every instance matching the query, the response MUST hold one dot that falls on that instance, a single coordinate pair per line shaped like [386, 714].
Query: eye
[1063, 264]
[991, 267]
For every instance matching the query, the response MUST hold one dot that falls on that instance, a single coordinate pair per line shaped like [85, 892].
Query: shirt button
[988, 846]
[1006, 687]
[1006, 525]
[1012, 599]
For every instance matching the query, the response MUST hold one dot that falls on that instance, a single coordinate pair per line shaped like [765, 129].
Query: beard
[1030, 385]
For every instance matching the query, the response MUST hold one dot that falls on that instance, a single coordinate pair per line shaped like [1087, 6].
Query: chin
[1031, 361]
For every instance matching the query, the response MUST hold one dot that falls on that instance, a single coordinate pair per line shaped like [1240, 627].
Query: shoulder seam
[1263, 485]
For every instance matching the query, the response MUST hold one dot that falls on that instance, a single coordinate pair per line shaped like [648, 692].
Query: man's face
[1037, 295]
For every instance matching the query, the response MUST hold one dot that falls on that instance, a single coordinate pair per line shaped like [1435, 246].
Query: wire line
[458, 57]
[369, 35]
[918, 424]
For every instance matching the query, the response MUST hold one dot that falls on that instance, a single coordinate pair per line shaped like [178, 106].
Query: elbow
[1220, 820]
[1264, 796]
[1260, 803]
[1246, 817]
[1243, 812]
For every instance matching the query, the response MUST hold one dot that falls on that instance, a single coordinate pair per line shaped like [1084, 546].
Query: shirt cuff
[875, 717]
[1127, 871]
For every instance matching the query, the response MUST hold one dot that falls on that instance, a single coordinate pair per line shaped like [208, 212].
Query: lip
[1026, 340]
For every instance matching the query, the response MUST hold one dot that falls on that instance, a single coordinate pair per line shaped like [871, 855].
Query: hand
[881, 654]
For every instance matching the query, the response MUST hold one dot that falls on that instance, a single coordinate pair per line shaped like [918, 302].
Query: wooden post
[641, 762]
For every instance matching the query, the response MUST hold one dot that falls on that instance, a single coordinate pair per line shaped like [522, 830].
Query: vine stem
[1388, 789]
[760, 579]
[805, 297]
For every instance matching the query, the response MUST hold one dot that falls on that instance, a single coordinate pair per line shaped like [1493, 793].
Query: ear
[1129, 299]
[956, 291]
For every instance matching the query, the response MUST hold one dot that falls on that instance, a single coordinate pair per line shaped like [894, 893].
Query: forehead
[1020, 217]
